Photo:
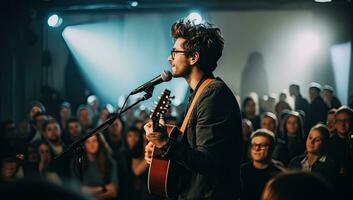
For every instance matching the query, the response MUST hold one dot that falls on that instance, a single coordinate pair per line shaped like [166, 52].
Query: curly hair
[203, 38]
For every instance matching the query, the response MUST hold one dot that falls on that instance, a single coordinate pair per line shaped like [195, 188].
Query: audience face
[52, 132]
[292, 90]
[313, 142]
[331, 123]
[33, 111]
[74, 129]
[327, 95]
[313, 93]
[250, 107]
[65, 113]
[132, 138]
[116, 129]
[342, 123]
[44, 152]
[32, 156]
[91, 145]
[104, 114]
[39, 122]
[8, 169]
[246, 131]
[85, 118]
[259, 151]
[268, 123]
[292, 125]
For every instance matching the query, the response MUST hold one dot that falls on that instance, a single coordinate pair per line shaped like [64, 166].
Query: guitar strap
[193, 103]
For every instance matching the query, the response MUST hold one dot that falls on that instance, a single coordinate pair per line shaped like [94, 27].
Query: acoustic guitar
[162, 174]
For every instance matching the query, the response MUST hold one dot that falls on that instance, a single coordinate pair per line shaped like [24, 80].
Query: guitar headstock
[161, 106]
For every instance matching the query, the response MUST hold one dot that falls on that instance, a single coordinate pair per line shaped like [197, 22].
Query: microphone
[163, 77]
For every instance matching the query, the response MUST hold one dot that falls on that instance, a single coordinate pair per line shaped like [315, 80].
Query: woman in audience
[99, 174]
[249, 112]
[315, 159]
[293, 134]
[44, 165]
[138, 167]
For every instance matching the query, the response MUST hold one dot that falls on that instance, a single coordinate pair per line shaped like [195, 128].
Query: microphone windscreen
[167, 75]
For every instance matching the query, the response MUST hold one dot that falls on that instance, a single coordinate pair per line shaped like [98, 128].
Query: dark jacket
[301, 104]
[324, 167]
[254, 180]
[212, 146]
[317, 112]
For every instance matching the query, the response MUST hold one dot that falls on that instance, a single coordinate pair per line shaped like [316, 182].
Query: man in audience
[74, 131]
[84, 115]
[330, 122]
[300, 102]
[340, 146]
[260, 169]
[330, 99]
[317, 108]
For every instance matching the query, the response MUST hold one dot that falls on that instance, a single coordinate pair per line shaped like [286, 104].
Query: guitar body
[163, 177]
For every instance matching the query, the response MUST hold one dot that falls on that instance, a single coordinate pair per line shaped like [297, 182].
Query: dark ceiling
[98, 5]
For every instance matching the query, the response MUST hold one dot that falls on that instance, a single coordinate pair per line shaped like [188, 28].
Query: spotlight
[323, 1]
[134, 3]
[195, 17]
[54, 21]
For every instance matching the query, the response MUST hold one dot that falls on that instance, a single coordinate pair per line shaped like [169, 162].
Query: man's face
[65, 113]
[74, 129]
[179, 62]
[292, 90]
[313, 93]
[328, 95]
[85, 118]
[331, 122]
[52, 132]
[259, 150]
[343, 123]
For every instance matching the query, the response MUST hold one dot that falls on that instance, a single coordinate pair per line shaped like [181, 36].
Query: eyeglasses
[259, 146]
[173, 52]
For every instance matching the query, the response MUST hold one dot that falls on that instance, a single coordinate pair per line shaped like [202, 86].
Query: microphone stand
[77, 146]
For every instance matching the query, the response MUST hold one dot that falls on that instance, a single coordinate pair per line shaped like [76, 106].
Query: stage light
[323, 1]
[134, 3]
[54, 21]
[195, 17]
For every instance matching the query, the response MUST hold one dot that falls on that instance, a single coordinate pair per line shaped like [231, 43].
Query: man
[84, 115]
[330, 98]
[52, 133]
[74, 131]
[340, 146]
[211, 148]
[260, 169]
[317, 108]
[300, 102]
[330, 122]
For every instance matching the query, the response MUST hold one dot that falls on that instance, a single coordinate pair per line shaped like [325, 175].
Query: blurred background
[55, 50]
